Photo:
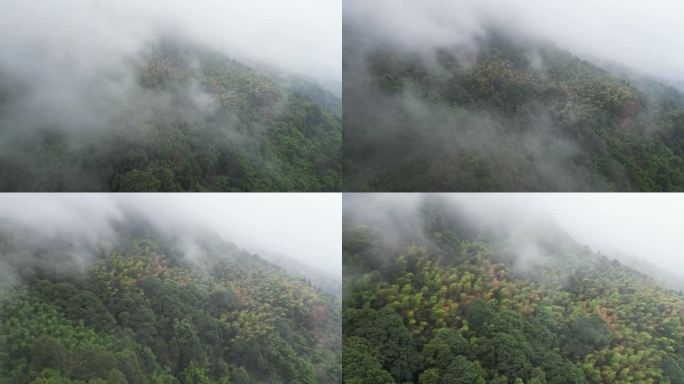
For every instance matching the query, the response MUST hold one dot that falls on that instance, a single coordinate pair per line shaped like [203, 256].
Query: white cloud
[306, 227]
[644, 35]
[301, 36]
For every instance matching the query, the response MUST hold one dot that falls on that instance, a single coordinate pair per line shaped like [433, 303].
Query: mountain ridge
[178, 117]
[471, 305]
[150, 306]
[507, 115]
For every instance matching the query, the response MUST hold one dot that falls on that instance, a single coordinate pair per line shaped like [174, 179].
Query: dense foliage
[141, 312]
[193, 120]
[465, 306]
[508, 115]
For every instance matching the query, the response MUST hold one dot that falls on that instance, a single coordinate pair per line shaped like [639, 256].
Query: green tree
[478, 316]
[88, 307]
[445, 345]
[361, 364]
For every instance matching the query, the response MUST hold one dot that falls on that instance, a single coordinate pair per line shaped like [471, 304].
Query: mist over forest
[169, 96]
[278, 224]
[511, 288]
[634, 229]
[174, 289]
[634, 34]
[509, 96]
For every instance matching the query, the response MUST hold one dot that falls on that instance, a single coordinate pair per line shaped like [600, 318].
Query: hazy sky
[644, 226]
[306, 227]
[302, 36]
[647, 226]
[645, 35]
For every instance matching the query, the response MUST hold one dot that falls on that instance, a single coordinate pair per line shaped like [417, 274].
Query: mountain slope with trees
[459, 304]
[187, 118]
[505, 114]
[149, 308]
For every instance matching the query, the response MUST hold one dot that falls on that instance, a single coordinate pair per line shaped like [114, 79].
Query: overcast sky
[306, 227]
[649, 227]
[302, 36]
[645, 35]
[646, 226]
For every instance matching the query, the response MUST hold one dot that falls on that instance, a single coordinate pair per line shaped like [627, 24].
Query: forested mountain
[325, 281]
[178, 117]
[503, 113]
[150, 306]
[680, 85]
[459, 302]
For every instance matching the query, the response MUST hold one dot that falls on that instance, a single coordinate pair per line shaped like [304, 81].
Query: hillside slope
[150, 308]
[506, 114]
[179, 117]
[467, 305]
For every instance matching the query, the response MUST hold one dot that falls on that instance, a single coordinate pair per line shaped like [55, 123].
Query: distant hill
[506, 115]
[193, 120]
[325, 281]
[679, 85]
[477, 304]
[148, 307]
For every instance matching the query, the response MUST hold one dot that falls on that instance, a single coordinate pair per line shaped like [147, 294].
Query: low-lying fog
[641, 230]
[306, 228]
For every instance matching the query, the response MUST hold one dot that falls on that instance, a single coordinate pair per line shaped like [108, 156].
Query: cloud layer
[301, 36]
[642, 230]
[303, 227]
[645, 36]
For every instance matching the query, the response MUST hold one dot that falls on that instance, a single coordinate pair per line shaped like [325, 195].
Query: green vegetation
[462, 306]
[507, 116]
[140, 312]
[193, 120]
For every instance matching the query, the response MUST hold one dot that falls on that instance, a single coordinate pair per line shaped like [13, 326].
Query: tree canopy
[136, 313]
[459, 307]
[193, 120]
